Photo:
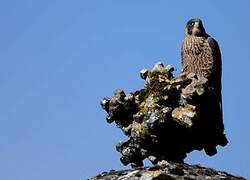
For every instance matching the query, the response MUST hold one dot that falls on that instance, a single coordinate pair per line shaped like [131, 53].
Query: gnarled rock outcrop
[166, 119]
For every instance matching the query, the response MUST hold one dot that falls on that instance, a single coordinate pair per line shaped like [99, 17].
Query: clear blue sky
[58, 59]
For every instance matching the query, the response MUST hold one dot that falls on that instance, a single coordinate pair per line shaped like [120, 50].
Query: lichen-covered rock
[166, 119]
[167, 171]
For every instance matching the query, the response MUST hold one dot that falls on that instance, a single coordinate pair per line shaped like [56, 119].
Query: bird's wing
[217, 69]
[215, 53]
[217, 64]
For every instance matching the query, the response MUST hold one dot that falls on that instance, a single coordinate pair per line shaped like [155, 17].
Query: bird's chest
[195, 46]
[197, 56]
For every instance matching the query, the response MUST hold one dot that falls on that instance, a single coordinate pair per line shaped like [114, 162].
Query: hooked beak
[197, 29]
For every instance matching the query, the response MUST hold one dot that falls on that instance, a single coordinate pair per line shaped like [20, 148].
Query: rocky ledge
[167, 171]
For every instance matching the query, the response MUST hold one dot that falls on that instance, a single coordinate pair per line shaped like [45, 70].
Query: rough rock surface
[167, 171]
[166, 119]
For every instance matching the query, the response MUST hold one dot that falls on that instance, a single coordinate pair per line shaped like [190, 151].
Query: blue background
[59, 58]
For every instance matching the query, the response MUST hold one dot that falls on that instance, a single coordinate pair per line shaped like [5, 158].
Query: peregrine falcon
[201, 55]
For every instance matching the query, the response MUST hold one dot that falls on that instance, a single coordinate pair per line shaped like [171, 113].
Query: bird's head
[195, 27]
